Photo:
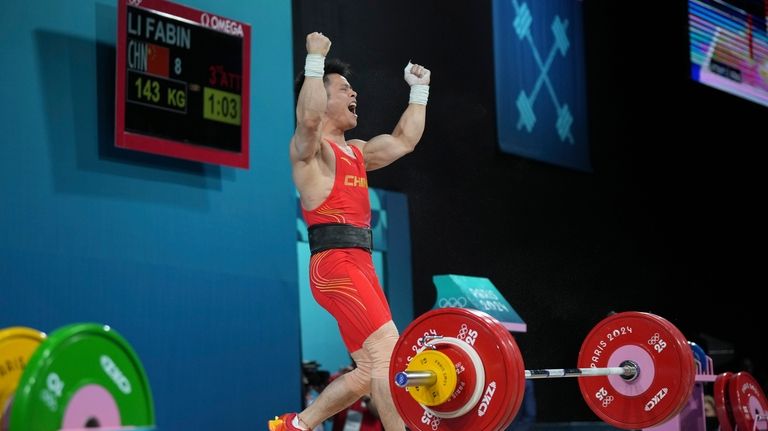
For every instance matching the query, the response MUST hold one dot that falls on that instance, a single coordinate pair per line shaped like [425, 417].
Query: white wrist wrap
[314, 66]
[419, 94]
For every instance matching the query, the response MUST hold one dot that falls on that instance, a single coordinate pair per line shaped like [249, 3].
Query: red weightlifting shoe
[283, 423]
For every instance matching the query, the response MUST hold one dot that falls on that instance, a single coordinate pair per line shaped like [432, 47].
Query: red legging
[344, 282]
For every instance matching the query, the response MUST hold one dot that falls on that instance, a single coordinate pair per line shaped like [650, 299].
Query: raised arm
[385, 149]
[310, 107]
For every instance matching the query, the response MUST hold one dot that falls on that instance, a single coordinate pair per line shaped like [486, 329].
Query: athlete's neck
[333, 132]
[337, 139]
[341, 144]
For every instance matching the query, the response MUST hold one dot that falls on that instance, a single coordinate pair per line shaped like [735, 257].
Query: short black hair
[332, 65]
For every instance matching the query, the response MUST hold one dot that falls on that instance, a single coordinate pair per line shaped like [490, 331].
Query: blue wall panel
[194, 264]
[541, 81]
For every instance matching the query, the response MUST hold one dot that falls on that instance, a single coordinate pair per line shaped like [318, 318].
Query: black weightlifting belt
[336, 235]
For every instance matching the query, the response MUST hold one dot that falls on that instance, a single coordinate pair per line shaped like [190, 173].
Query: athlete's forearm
[410, 128]
[411, 125]
[311, 104]
[312, 99]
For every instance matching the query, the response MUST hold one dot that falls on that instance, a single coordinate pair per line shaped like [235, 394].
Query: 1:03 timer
[221, 106]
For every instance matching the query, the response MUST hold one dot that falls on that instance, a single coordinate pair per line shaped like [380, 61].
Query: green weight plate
[82, 376]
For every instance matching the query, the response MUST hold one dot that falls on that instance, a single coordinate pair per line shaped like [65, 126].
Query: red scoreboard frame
[183, 83]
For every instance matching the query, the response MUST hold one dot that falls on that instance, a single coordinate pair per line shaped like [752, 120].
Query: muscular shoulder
[359, 143]
[324, 155]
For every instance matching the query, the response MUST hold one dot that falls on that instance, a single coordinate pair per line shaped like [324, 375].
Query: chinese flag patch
[158, 61]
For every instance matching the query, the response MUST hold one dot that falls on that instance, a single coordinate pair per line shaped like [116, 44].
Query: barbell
[460, 369]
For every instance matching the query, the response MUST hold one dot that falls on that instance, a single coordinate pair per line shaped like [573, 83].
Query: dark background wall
[668, 222]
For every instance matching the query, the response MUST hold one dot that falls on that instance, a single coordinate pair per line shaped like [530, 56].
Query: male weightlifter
[330, 175]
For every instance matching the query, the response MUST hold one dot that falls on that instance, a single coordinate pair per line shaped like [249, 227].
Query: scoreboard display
[182, 82]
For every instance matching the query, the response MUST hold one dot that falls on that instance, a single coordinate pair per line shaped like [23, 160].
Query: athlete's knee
[358, 381]
[379, 347]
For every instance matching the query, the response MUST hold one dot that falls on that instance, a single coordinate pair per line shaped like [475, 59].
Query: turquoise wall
[194, 264]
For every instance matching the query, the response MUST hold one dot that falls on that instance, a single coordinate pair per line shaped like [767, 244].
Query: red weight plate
[666, 370]
[466, 333]
[510, 355]
[748, 402]
[722, 402]
[684, 344]
[514, 357]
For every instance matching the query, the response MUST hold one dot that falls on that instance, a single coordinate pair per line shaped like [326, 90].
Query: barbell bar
[428, 378]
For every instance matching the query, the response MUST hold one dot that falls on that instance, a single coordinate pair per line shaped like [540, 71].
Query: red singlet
[343, 280]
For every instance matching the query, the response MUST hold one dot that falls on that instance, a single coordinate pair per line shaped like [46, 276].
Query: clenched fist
[416, 74]
[318, 44]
